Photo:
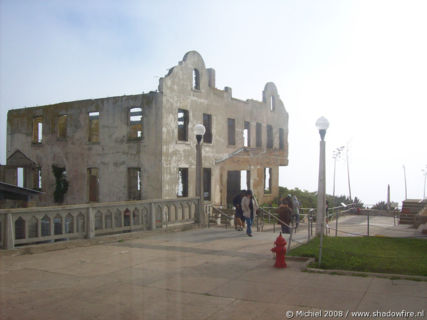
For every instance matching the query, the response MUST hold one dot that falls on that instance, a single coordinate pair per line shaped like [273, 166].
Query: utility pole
[388, 198]
[336, 155]
[425, 179]
[404, 176]
[348, 174]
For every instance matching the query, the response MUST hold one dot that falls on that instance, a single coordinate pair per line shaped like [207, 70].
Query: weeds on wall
[61, 184]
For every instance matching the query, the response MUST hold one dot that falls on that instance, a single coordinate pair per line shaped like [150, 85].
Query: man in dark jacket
[239, 223]
[285, 216]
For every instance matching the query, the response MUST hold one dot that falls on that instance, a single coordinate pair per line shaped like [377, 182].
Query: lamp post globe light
[199, 131]
[322, 124]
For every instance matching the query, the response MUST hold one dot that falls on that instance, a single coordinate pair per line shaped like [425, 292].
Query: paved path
[198, 274]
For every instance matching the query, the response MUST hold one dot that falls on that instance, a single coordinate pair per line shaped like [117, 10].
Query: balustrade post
[52, 225]
[91, 223]
[153, 216]
[9, 237]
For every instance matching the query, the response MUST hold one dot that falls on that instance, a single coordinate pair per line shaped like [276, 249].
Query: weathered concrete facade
[104, 158]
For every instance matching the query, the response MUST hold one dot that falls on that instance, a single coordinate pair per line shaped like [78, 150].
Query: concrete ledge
[61, 245]
[353, 273]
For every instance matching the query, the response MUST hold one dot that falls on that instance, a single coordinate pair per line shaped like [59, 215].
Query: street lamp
[199, 131]
[322, 125]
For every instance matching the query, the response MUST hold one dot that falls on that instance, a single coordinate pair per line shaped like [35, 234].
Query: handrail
[274, 217]
[223, 213]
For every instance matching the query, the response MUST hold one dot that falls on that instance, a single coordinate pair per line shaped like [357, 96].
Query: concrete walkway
[198, 274]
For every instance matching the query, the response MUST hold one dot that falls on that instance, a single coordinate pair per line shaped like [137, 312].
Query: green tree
[308, 199]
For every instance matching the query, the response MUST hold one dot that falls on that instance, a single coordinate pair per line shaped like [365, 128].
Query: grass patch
[369, 254]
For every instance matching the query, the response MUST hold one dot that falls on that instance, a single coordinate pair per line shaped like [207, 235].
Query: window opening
[183, 120]
[247, 135]
[207, 173]
[272, 103]
[135, 124]
[207, 122]
[93, 184]
[196, 79]
[269, 136]
[182, 182]
[20, 177]
[231, 132]
[134, 183]
[281, 139]
[45, 226]
[267, 180]
[258, 135]
[245, 177]
[37, 130]
[62, 126]
[19, 228]
[93, 126]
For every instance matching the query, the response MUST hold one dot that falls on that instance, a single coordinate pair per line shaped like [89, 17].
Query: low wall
[57, 223]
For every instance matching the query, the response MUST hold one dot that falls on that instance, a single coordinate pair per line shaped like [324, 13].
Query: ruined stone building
[143, 146]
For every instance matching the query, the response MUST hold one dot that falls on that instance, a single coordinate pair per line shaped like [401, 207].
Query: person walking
[289, 200]
[238, 219]
[295, 209]
[249, 208]
[285, 216]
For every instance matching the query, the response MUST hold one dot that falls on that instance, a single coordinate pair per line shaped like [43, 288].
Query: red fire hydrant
[280, 250]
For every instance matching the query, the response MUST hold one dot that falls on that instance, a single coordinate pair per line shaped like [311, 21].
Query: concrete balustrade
[43, 224]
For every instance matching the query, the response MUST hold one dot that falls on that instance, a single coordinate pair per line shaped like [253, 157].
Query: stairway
[410, 209]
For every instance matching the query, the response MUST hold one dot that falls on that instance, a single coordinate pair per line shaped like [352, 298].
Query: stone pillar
[91, 223]
[9, 237]
[153, 216]
[211, 77]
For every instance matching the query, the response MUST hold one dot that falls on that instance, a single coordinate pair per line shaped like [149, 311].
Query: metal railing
[217, 214]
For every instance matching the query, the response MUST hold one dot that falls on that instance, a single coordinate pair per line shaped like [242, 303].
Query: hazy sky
[361, 64]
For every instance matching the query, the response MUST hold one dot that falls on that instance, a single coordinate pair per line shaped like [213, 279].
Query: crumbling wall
[178, 91]
[113, 153]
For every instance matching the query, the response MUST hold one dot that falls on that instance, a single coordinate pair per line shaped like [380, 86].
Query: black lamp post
[199, 131]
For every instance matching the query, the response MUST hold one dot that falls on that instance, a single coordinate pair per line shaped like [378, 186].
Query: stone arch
[118, 219]
[126, 218]
[193, 58]
[159, 216]
[57, 224]
[108, 220]
[270, 96]
[81, 224]
[45, 226]
[33, 228]
[20, 228]
[98, 220]
[136, 217]
[69, 223]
